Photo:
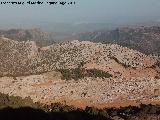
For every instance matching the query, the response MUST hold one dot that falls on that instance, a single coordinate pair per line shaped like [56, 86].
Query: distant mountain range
[41, 38]
[143, 39]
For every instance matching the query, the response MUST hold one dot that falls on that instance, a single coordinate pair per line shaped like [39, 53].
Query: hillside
[23, 58]
[79, 73]
[17, 108]
[41, 38]
[143, 39]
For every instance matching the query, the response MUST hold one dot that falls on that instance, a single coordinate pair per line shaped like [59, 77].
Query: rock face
[28, 70]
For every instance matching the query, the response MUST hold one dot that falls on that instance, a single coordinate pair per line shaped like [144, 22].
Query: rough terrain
[29, 70]
[145, 39]
[107, 92]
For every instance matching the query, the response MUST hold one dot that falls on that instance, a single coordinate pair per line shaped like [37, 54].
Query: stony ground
[25, 58]
[97, 92]
[28, 70]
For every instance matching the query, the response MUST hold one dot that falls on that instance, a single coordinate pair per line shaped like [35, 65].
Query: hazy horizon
[102, 11]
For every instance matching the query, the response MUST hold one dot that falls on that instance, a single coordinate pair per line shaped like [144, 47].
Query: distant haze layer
[84, 11]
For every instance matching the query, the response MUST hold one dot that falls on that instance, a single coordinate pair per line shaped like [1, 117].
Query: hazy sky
[83, 11]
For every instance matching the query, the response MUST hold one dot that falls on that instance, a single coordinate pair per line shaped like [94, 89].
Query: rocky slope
[29, 70]
[143, 39]
[23, 58]
[108, 92]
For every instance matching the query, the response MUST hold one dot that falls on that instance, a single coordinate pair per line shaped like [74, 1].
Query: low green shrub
[79, 73]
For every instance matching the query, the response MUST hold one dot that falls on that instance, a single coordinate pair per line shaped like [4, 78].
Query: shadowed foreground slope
[16, 108]
[147, 112]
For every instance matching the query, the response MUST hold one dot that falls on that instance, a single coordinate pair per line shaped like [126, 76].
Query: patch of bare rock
[106, 92]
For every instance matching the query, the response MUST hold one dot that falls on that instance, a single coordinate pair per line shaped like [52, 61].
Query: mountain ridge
[142, 38]
[29, 56]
